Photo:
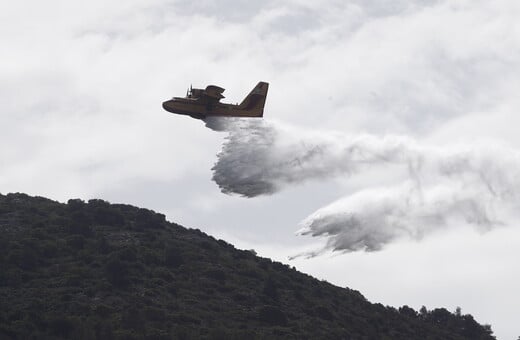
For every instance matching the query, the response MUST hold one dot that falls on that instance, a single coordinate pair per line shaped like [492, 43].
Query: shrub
[117, 272]
[272, 315]
[172, 257]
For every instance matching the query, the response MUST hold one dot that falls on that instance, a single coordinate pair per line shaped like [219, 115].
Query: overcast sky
[81, 86]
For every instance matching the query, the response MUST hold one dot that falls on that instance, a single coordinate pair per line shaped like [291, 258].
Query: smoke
[436, 187]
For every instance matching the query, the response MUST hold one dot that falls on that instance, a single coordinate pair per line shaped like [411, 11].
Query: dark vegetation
[110, 271]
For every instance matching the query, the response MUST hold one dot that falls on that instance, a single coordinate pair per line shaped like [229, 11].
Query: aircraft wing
[214, 92]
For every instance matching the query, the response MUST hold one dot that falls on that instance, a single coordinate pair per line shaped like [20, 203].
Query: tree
[172, 256]
[458, 311]
[423, 311]
[272, 315]
[405, 310]
[270, 289]
[117, 272]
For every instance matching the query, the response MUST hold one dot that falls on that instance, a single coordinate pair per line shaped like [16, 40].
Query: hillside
[94, 270]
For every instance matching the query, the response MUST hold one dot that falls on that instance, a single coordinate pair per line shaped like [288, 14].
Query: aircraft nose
[166, 105]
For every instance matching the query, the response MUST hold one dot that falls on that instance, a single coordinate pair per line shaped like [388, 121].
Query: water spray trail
[472, 184]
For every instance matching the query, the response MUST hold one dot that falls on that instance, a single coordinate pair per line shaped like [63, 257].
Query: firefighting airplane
[202, 103]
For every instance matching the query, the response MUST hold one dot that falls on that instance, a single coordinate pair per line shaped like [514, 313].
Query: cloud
[82, 96]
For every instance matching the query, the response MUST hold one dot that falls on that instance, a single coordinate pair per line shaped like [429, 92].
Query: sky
[424, 212]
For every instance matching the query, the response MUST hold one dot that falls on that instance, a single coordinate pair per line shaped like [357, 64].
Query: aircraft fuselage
[200, 103]
[196, 108]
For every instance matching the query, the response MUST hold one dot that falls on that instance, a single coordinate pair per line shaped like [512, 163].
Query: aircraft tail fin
[255, 100]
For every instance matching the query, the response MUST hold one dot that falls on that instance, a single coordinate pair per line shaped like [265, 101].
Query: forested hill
[94, 270]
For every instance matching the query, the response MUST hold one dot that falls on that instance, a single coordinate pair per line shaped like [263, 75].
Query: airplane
[202, 103]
